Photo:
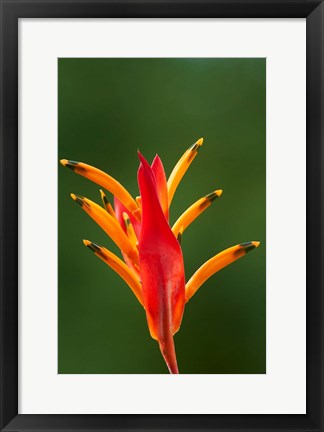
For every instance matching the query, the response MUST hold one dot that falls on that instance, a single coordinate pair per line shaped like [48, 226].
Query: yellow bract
[194, 211]
[104, 180]
[215, 264]
[119, 266]
[110, 225]
[181, 167]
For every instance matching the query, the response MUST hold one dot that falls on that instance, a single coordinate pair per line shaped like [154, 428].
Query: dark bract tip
[179, 237]
[71, 164]
[79, 201]
[211, 196]
[247, 246]
[94, 247]
[195, 147]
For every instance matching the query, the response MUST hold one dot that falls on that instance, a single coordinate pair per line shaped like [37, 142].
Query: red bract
[161, 266]
[153, 266]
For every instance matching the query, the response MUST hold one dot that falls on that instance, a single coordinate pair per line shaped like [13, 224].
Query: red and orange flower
[153, 262]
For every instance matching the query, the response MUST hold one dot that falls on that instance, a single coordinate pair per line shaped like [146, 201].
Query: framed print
[161, 215]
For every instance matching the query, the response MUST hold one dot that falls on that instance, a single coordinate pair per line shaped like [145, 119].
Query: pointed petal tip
[69, 163]
[141, 157]
[215, 194]
[196, 146]
[103, 197]
[219, 192]
[126, 218]
[78, 199]
[92, 246]
[147, 170]
[248, 246]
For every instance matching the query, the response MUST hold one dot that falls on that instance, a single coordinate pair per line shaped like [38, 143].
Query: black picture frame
[11, 12]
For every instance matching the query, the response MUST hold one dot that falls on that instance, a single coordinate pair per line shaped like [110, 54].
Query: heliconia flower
[153, 263]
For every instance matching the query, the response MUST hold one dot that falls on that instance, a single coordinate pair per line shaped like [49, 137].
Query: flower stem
[168, 352]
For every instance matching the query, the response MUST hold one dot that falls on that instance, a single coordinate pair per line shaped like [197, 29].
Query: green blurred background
[109, 108]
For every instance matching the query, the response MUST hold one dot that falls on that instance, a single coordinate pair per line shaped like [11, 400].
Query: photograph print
[161, 215]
